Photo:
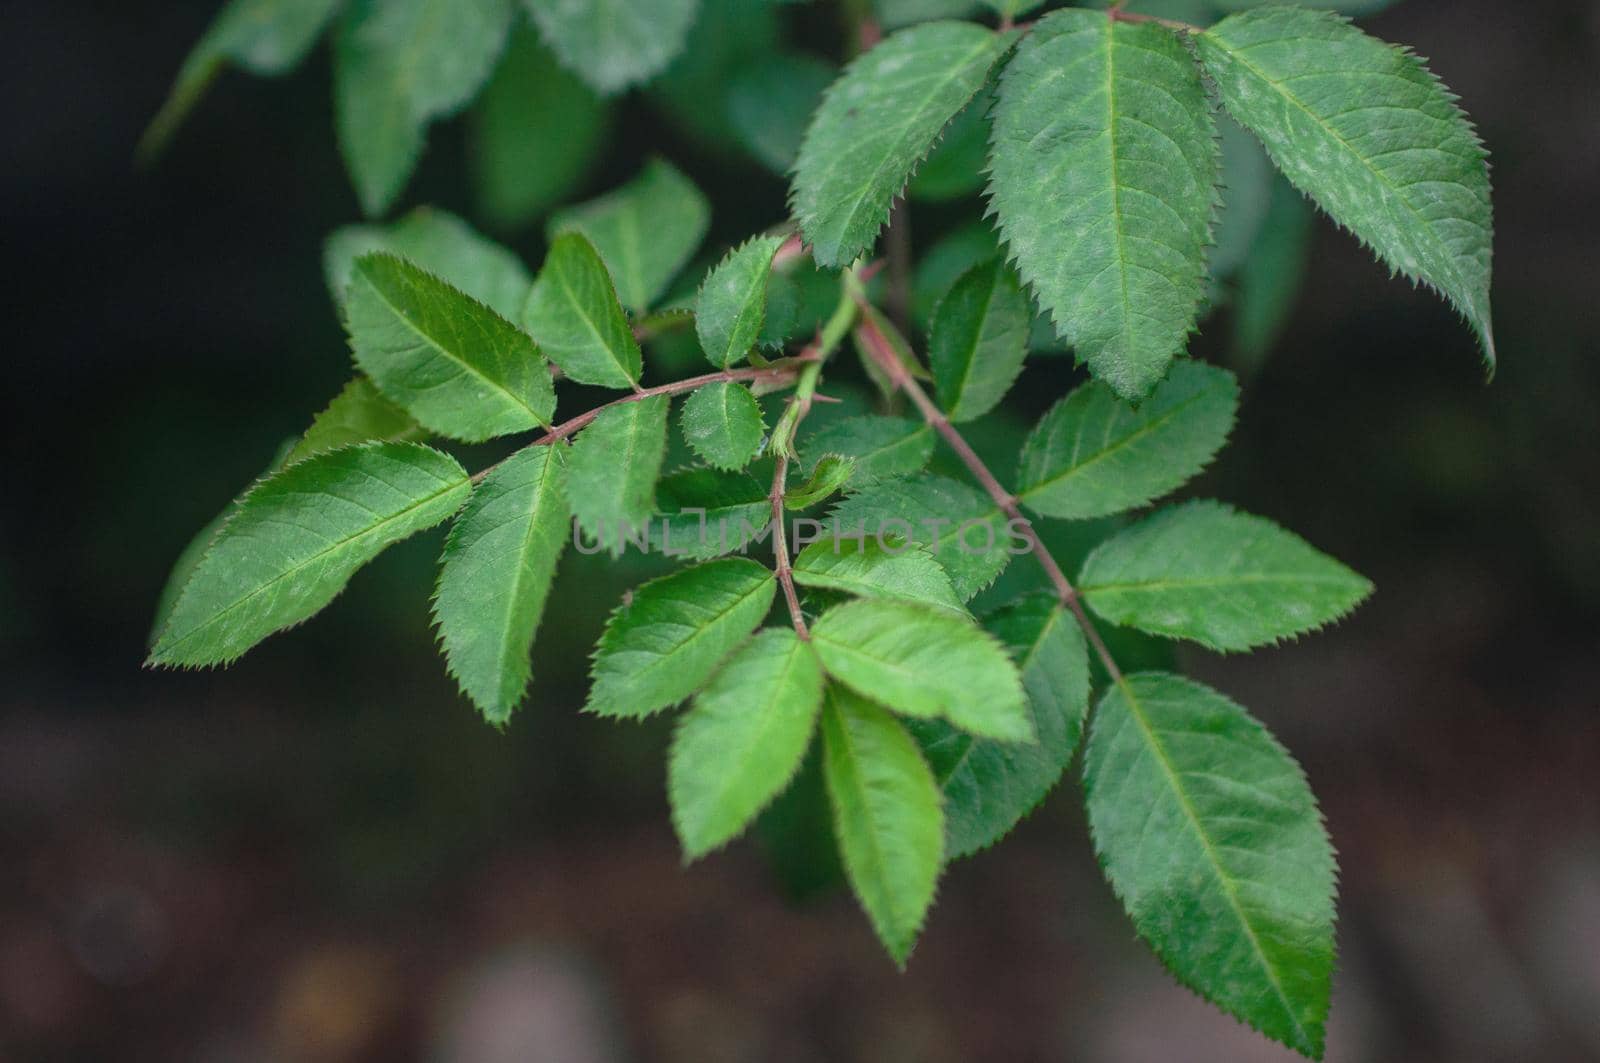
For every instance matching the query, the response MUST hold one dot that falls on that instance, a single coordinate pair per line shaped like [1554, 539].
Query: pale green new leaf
[398, 65]
[645, 231]
[871, 569]
[614, 464]
[1093, 454]
[1103, 178]
[875, 123]
[924, 661]
[265, 37]
[722, 423]
[886, 816]
[978, 339]
[663, 645]
[963, 528]
[612, 44]
[495, 574]
[455, 365]
[1213, 842]
[536, 131]
[831, 473]
[990, 786]
[732, 302]
[440, 243]
[358, 414]
[703, 513]
[1225, 579]
[573, 313]
[1370, 134]
[743, 739]
[296, 539]
[882, 447]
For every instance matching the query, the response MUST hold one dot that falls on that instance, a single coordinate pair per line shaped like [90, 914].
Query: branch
[878, 346]
[786, 373]
[1118, 15]
[780, 546]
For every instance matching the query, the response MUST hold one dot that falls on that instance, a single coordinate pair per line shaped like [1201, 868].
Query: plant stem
[782, 444]
[1116, 14]
[775, 374]
[878, 346]
[897, 241]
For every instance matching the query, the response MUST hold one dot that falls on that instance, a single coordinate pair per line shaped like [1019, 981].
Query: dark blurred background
[321, 854]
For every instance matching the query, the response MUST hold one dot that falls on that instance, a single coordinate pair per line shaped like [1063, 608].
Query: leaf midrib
[1106, 452]
[1158, 750]
[416, 329]
[589, 322]
[880, 865]
[337, 544]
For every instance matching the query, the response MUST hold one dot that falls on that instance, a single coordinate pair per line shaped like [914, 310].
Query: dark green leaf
[882, 447]
[705, 513]
[1093, 454]
[732, 303]
[870, 569]
[831, 473]
[722, 423]
[963, 528]
[770, 102]
[875, 123]
[615, 463]
[358, 414]
[612, 44]
[978, 340]
[1212, 840]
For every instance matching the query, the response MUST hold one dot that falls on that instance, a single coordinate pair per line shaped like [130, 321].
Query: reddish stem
[780, 546]
[878, 345]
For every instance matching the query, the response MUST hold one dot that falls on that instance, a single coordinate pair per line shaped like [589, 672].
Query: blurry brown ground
[320, 855]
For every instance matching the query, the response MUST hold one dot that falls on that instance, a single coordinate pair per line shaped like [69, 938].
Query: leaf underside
[1103, 177]
[1212, 840]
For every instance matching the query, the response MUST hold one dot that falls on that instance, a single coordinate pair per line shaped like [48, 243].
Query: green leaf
[886, 816]
[955, 167]
[536, 132]
[770, 102]
[732, 304]
[875, 123]
[743, 739]
[455, 365]
[1212, 840]
[440, 243]
[1094, 454]
[1103, 178]
[645, 231]
[615, 463]
[265, 37]
[495, 574]
[939, 267]
[612, 44]
[978, 340]
[722, 423]
[192, 554]
[924, 661]
[1369, 133]
[297, 538]
[1225, 579]
[963, 528]
[398, 65]
[664, 644]
[831, 473]
[990, 786]
[1267, 284]
[870, 569]
[358, 414]
[573, 313]
[882, 447]
[703, 513]
[894, 14]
